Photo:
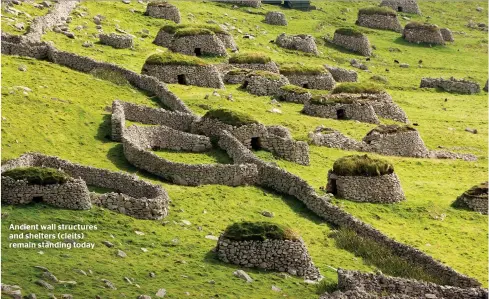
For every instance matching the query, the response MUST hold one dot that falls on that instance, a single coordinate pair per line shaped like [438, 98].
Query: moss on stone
[160, 4]
[237, 72]
[392, 129]
[362, 166]
[169, 58]
[297, 69]
[349, 32]
[173, 28]
[326, 101]
[259, 231]
[250, 58]
[193, 31]
[422, 26]
[294, 89]
[357, 88]
[37, 175]
[230, 117]
[376, 10]
[265, 74]
[477, 191]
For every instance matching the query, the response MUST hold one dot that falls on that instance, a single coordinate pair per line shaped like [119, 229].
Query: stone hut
[474, 199]
[341, 74]
[268, 247]
[24, 185]
[236, 76]
[275, 18]
[253, 61]
[409, 6]
[263, 83]
[364, 179]
[163, 10]
[379, 18]
[395, 140]
[310, 77]
[249, 3]
[170, 36]
[332, 106]
[415, 32]
[300, 42]
[352, 40]
[118, 41]
[176, 68]
[294, 94]
[446, 34]
[451, 85]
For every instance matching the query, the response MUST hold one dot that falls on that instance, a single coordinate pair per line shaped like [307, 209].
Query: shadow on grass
[402, 41]
[104, 130]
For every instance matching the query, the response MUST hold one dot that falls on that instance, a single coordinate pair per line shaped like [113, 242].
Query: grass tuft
[477, 191]
[354, 87]
[361, 166]
[297, 69]
[349, 32]
[326, 286]
[265, 74]
[111, 76]
[375, 10]
[170, 58]
[37, 175]
[230, 117]
[249, 58]
[193, 31]
[259, 231]
[173, 28]
[238, 71]
[294, 88]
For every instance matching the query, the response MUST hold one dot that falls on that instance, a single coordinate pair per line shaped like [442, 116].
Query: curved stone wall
[300, 42]
[263, 86]
[378, 189]
[409, 6]
[406, 144]
[358, 44]
[270, 66]
[280, 143]
[323, 81]
[276, 18]
[73, 194]
[294, 97]
[279, 255]
[200, 75]
[451, 85]
[379, 21]
[165, 11]
[420, 35]
[133, 197]
[356, 110]
[118, 41]
[203, 44]
[342, 75]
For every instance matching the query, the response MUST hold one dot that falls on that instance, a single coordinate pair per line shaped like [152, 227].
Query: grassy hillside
[63, 113]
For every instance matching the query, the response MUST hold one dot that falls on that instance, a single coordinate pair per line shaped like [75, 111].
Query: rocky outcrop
[198, 75]
[264, 83]
[355, 42]
[474, 199]
[342, 75]
[451, 85]
[379, 21]
[300, 42]
[409, 6]
[118, 41]
[275, 18]
[423, 33]
[163, 10]
[279, 255]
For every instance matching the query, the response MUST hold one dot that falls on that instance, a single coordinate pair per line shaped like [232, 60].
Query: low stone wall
[342, 75]
[356, 110]
[377, 189]
[200, 75]
[73, 194]
[165, 11]
[294, 97]
[232, 77]
[358, 44]
[280, 143]
[35, 50]
[262, 85]
[118, 41]
[405, 144]
[276, 18]
[451, 85]
[409, 6]
[376, 285]
[137, 142]
[420, 35]
[117, 121]
[447, 34]
[379, 21]
[270, 66]
[300, 42]
[334, 139]
[279, 255]
[196, 45]
[213, 128]
[133, 196]
[323, 81]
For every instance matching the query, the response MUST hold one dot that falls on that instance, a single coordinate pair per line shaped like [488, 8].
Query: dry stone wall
[73, 194]
[377, 189]
[334, 139]
[379, 21]
[300, 42]
[165, 11]
[409, 6]
[276, 18]
[342, 75]
[279, 255]
[196, 45]
[236, 76]
[198, 75]
[356, 110]
[451, 85]
[269, 66]
[323, 81]
[447, 34]
[422, 35]
[405, 144]
[264, 85]
[167, 40]
[474, 202]
[294, 97]
[118, 41]
[358, 44]
[280, 143]
[133, 196]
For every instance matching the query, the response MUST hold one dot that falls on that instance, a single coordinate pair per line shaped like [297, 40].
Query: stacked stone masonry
[118, 41]
[270, 66]
[342, 75]
[278, 255]
[478, 203]
[236, 76]
[322, 81]
[133, 196]
[357, 44]
[409, 6]
[446, 34]
[250, 3]
[451, 85]
[423, 35]
[198, 75]
[276, 18]
[356, 110]
[198, 45]
[294, 97]
[264, 85]
[379, 21]
[300, 42]
[165, 11]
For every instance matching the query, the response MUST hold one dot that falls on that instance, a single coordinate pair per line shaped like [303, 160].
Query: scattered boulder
[243, 275]
[161, 293]
[446, 34]
[117, 41]
[121, 253]
[276, 18]
[44, 284]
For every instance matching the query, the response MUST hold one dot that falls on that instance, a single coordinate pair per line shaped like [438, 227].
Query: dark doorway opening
[256, 143]
[399, 8]
[245, 84]
[182, 79]
[37, 199]
[198, 52]
[332, 188]
[305, 85]
[340, 114]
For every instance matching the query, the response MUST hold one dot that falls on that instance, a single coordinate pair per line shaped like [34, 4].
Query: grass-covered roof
[173, 28]
[391, 129]
[297, 69]
[259, 231]
[376, 10]
[249, 58]
[193, 31]
[230, 117]
[349, 32]
[37, 175]
[294, 89]
[362, 166]
[357, 88]
[170, 58]
[421, 26]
